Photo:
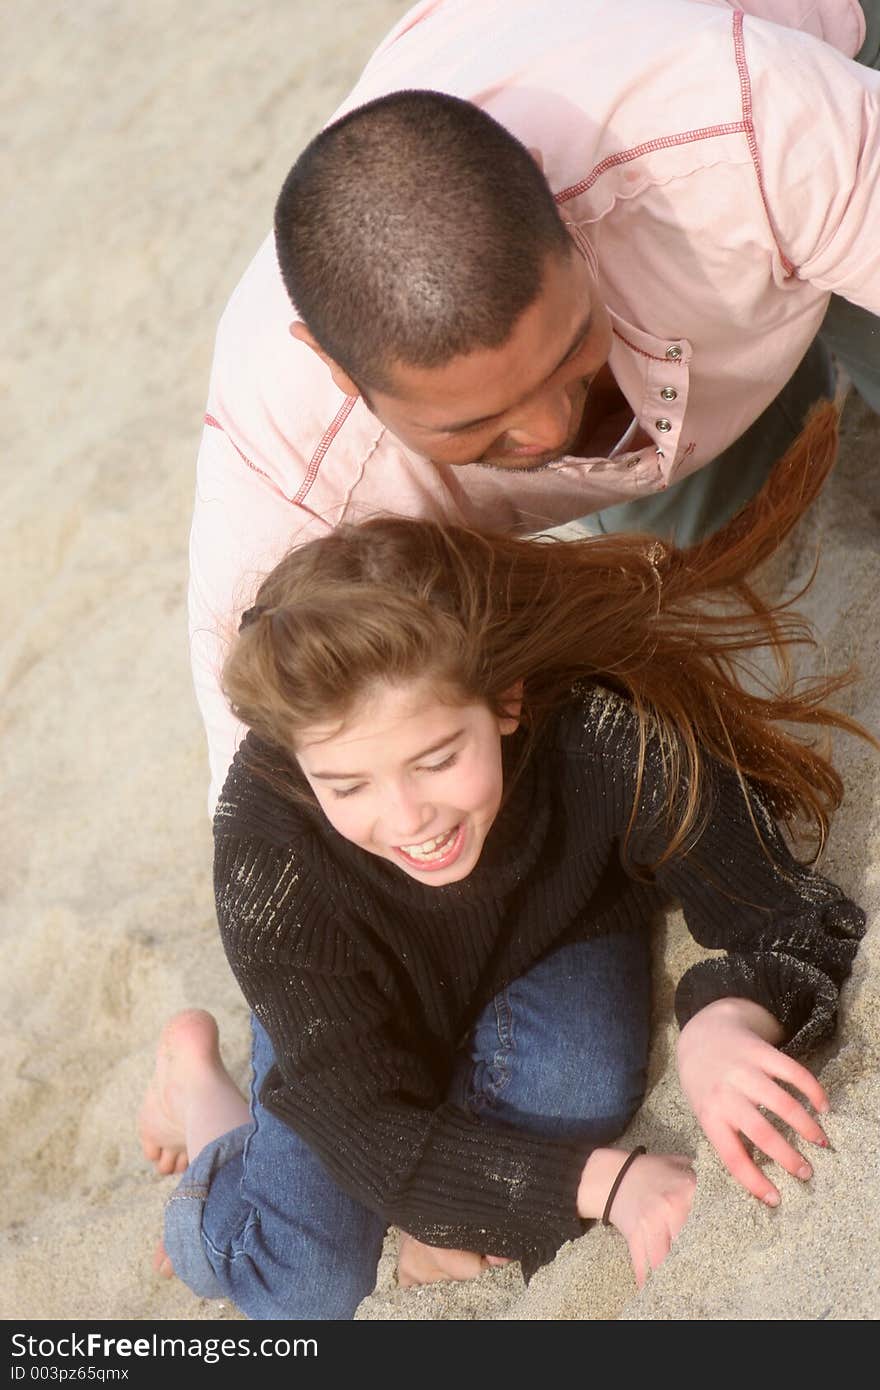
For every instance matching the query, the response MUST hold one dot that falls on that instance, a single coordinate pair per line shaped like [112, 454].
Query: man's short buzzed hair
[413, 230]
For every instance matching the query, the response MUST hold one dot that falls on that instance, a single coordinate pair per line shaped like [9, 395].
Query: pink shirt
[720, 172]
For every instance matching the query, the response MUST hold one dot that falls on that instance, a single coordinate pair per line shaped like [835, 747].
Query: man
[614, 312]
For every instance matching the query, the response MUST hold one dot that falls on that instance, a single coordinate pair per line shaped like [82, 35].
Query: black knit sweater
[367, 980]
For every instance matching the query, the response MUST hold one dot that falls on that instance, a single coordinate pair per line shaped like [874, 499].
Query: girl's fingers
[639, 1263]
[681, 1216]
[680, 1161]
[785, 1068]
[791, 1112]
[658, 1244]
[767, 1138]
[735, 1157]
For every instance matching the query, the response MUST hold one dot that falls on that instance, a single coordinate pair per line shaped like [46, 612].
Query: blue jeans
[562, 1051]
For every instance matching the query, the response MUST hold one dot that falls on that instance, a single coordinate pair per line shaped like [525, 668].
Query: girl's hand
[729, 1068]
[426, 1264]
[650, 1206]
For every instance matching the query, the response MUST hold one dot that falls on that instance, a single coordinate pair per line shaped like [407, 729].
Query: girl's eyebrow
[417, 757]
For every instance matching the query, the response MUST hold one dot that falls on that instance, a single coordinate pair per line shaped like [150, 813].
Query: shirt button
[664, 425]
[673, 352]
[669, 393]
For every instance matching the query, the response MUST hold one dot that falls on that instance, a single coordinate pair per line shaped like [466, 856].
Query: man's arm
[816, 118]
[242, 526]
[838, 22]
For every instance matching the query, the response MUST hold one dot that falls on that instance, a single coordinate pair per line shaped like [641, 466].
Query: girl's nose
[407, 818]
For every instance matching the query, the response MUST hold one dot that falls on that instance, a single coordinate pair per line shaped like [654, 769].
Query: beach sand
[148, 144]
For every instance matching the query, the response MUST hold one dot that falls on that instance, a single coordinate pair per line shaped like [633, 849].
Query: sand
[147, 144]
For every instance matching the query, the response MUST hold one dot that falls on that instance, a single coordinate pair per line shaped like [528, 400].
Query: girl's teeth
[430, 849]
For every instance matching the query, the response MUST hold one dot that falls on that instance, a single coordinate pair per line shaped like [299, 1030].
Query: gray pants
[700, 504]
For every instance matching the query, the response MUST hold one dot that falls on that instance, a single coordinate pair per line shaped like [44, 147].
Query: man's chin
[511, 463]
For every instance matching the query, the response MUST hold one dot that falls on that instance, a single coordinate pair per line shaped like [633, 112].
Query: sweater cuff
[499, 1191]
[801, 997]
[495, 1190]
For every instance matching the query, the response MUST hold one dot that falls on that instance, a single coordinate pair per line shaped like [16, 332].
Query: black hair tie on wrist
[624, 1169]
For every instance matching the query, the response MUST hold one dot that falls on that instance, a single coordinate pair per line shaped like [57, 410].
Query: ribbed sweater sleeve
[789, 934]
[354, 1082]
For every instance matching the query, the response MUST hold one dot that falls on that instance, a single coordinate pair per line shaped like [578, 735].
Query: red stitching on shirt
[665, 142]
[215, 424]
[671, 362]
[745, 87]
[335, 424]
[744, 127]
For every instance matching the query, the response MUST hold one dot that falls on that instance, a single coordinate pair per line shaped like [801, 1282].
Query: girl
[475, 767]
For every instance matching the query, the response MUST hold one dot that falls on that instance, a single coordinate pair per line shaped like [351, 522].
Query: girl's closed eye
[340, 792]
[449, 761]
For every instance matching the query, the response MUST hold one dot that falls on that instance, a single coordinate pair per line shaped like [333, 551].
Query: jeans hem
[184, 1243]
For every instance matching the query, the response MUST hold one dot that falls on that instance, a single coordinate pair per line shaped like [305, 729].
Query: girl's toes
[161, 1263]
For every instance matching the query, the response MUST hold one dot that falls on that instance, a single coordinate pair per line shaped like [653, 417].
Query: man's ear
[341, 378]
[537, 156]
[511, 701]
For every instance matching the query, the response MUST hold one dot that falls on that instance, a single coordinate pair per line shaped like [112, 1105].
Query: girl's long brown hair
[676, 631]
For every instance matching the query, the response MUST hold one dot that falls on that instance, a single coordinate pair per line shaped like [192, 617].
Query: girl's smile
[428, 781]
[439, 852]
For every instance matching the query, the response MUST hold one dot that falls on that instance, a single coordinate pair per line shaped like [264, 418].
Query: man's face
[518, 406]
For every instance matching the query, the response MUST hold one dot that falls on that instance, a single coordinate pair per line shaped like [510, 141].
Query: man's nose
[544, 421]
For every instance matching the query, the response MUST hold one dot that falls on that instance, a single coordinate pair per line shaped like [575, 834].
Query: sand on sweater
[146, 146]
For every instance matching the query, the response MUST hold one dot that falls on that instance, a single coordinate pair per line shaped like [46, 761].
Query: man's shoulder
[273, 397]
[665, 79]
[840, 23]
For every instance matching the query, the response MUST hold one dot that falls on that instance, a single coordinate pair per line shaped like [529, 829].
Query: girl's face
[411, 778]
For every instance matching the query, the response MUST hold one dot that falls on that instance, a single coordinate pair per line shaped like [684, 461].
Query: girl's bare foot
[161, 1263]
[191, 1098]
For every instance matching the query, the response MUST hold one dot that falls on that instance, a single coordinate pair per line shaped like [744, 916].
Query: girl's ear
[512, 699]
